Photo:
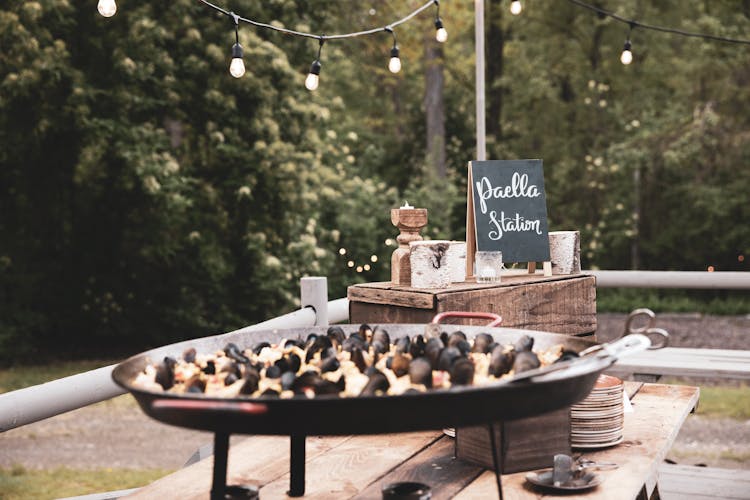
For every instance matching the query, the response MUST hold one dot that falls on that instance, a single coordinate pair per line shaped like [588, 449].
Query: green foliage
[716, 302]
[728, 402]
[146, 196]
[19, 483]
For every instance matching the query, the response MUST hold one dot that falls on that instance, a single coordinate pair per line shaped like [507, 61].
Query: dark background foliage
[147, 196]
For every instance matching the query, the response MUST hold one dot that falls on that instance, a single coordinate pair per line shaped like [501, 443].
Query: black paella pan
[557, 386]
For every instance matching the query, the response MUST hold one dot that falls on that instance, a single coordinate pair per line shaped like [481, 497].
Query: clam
[420, 372]
[378, 382]
[525, 360]
[165, 373]
[501, 361]
[525, 343]
[462, 372]
[482, 343]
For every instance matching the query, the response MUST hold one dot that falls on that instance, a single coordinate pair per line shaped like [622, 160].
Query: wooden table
[357, 466]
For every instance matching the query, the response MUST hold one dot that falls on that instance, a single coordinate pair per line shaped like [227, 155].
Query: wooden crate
[558, 304]
[526, 444]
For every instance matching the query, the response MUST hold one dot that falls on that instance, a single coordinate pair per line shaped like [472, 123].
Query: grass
[715, 302]
[19, 483]
[723, 401]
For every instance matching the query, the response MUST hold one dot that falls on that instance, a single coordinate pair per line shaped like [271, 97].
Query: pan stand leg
[221, 450]
[496, 460]
[297, 466]
[219, 488]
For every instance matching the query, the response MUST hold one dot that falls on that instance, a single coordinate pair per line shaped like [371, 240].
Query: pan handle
[496, 318]
[162, 405]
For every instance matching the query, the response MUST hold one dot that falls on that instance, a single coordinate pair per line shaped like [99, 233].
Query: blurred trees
[147, 196]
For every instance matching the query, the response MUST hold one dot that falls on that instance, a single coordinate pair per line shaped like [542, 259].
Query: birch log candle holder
[565, 252]
[429, 264]
[457, 261]
[409, 221]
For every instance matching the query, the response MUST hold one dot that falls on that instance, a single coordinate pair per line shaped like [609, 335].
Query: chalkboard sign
[510, 208]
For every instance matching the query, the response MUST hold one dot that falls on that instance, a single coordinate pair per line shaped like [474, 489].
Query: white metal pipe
[719, 280]
[42, 401]
[314, 293]
[479, 77]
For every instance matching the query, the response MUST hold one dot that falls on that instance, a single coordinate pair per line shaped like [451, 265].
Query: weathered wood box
[522, 445]
[559, 304]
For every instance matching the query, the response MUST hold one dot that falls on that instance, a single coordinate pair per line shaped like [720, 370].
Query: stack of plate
[597, 421]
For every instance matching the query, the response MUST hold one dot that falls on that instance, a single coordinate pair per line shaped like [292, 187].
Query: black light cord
[324, 37]
[633, 24]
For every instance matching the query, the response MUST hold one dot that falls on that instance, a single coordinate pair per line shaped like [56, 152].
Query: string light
[313, 77]
[516, 7]
[237, 66]
[107, 8]
[394, 65]
[441, 35]
[627, 56]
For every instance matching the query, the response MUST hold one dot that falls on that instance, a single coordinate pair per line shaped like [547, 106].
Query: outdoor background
[147, 196]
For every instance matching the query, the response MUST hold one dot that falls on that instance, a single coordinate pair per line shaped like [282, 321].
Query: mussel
[403, 344]
[210, 368]
[259, 347]
[354, 340]
[420, 372]
[195, 384]
[399, 364]
[358, 358]
[482, 343]
[311, 380]
[337, 335]
[165, 373]
[525, 360]
[365, 332]
[567, 356]
[252, 377]
[233, 352]
[377, 382]
[381, 335]
[432, 351]
[416, 347]
[462, 372]
[455, 337]
[189, 355]
[501, 361]
[524, 343]
[448, 356]
[329, 364]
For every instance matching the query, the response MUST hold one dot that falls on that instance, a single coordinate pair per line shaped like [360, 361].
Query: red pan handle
[196, 405]
[496, 318]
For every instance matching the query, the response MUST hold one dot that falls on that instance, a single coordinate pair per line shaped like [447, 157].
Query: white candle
[406, 205]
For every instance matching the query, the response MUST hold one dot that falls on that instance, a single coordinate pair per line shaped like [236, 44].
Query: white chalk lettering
[515, 224]
[519, 188]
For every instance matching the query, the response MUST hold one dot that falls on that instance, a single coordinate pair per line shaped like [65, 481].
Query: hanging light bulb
[313, 77]
[627, 56]
[394, 65]
[516, 7]
[237, 66]
[441, 35]
[107, 8]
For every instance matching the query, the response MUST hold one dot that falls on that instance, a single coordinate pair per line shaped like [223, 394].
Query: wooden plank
[679, 361]
[403, 298]
[678, 482]
[559, 306]
[436, 467]
[649, 433]
[375, 314]
[345, 470]
[255, 461]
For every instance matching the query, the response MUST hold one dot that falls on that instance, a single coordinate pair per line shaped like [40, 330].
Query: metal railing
[42, 401]
[39, 402]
